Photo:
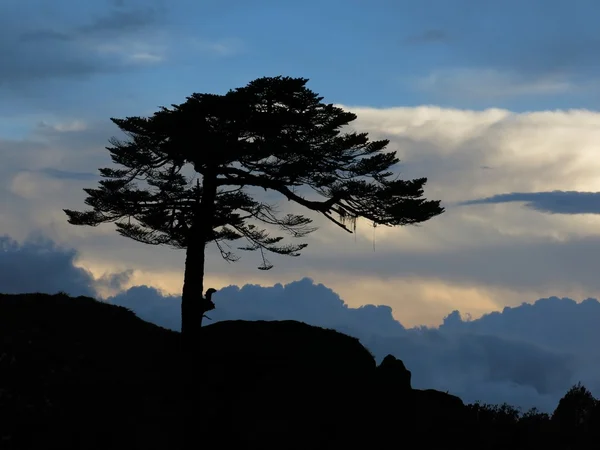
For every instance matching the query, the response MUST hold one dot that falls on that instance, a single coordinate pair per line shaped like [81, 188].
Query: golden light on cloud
[414, 301]
[524, 151]
[419, 301]
[169, 282]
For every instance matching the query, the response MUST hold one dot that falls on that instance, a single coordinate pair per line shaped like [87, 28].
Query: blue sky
[463, 53]
[497, 103]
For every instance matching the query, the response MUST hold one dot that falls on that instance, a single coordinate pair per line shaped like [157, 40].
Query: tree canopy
[274, 134]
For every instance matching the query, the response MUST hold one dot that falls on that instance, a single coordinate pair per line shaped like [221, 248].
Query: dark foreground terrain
[78, 373]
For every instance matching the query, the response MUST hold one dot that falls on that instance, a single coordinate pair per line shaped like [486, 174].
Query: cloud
[134, 52]
[299, 300]
[69, 175]
[119, 20]
[500, 357]
[547, 58]
[77, 42]
[491, 84]
[45, 35]
[152, 305]
[222, 47]
[534, 48]
[47, 172]
[565, 327]
[71, 42]
[111, 56]
[296, 300]
[528, 355]
[111, 282]
[39, 265]
[484, 256]
[61, 127]
[555, 202]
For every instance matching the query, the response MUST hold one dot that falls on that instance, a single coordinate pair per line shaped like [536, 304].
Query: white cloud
[31, 186]
[534, 151]
[157, 48]
[490, 84]
[220, 47]
[142, 52]
[64, 126]
[146, 57]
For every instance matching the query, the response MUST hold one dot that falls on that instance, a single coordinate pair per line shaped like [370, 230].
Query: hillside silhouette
[80, 373]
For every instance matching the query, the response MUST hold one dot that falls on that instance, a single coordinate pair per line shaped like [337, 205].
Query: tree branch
[242, 177]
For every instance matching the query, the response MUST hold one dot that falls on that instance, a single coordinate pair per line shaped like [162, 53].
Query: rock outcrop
[393, 372]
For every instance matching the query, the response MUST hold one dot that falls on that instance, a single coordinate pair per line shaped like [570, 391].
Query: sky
[496, 103]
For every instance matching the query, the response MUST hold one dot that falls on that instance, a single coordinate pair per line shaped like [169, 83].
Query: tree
[274, 134]
[574, 412]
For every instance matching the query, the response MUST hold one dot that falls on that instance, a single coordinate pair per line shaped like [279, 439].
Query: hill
[79, 373]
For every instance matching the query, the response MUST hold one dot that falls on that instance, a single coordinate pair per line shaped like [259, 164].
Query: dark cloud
[481, 367]
[121, 21]
[300, 300]
[113, 281]
[69, 175]
[65, 46]
[296, 300]
[555, 202]
[45, 35]
[33, 62]
[39, 265]
[565, 327]
[112, 23]
[536, 263]
[532, 40]
[508, 356]
[151, 305]
[560, 327]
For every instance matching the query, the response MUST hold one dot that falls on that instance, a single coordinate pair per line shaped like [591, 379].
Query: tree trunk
[193, 376]
[193, 287]
[193, 278]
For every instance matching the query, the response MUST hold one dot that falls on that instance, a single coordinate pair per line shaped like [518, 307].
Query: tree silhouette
[573, 415]
[274, 134]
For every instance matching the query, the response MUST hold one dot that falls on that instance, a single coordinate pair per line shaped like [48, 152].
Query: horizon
[504, 124]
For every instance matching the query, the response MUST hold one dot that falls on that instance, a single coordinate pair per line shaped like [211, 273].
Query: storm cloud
[554, 202]
[39, 265]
